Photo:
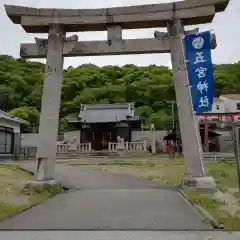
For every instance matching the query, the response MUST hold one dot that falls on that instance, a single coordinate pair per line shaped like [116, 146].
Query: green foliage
[144, 111]
[161, 120]
[151, 88]
[30, 114]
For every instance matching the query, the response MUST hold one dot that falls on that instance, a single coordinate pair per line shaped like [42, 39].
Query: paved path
[118, 235]
[82, 177]
[104, 201]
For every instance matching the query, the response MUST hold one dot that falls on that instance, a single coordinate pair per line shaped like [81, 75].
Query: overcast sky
[225, 25]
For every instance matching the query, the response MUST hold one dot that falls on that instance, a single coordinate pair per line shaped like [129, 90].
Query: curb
[206, 215]
[27, 171]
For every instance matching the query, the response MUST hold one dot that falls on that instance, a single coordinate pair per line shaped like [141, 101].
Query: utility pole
[173, 115]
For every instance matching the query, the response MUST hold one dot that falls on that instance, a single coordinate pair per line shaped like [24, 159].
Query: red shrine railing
[219, 117]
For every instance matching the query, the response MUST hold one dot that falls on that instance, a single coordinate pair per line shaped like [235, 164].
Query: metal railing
[29, 153]
[25, 153]
[17, 152]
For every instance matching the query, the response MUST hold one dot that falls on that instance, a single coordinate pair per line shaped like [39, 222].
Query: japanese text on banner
[200, 70]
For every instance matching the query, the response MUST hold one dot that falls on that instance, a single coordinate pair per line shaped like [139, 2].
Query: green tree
[144, 111]
[161, 120]
[29, 114]
[151, 88]
[9, 99]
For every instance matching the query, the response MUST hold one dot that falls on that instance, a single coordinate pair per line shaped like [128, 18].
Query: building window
[218, 107]
[238, 106]
[6, 140]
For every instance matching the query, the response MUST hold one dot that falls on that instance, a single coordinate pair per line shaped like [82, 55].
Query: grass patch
[167, 171]
[12, 197]
[237, 195]
[172, 170]
[7, 210]
[224, 173]
[215, 208]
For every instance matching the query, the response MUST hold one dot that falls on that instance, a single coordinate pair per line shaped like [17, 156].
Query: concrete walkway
[104, 201]
[118, 235]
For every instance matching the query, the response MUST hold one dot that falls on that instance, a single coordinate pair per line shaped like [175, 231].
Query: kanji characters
[199, 58]
[202, 86]
[201, 72]
[204, 102]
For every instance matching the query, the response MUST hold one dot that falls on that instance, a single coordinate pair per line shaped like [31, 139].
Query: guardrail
[25, 153]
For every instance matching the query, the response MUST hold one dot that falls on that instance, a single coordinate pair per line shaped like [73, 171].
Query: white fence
[132, 146]
[136, 146]
[80, 148]
[112, 147]
[62, 148]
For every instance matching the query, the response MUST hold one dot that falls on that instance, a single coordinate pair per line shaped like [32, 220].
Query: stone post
[192, 146]
[51, 98]
[89, 147]
[153, 146]
[127, 147]
[145, 145]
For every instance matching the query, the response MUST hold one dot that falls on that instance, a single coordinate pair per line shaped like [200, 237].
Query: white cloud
[223, 25]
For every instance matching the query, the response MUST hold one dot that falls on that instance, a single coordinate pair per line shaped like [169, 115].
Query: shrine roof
[100, 113]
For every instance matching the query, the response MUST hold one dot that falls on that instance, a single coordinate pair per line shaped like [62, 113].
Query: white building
[10, 129]
[218, 106]
[232, 104]
[226, 108]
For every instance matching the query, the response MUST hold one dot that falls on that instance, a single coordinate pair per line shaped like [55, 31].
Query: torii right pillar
[194, 169]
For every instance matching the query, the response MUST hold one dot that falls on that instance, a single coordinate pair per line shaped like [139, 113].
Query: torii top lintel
[192, 12]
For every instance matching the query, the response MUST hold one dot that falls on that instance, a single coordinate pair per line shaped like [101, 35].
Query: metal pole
[174, 128]
[206, 135]
[236, 139]
[173, 114]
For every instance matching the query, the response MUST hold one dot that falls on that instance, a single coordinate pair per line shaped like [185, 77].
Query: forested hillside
[149, 87]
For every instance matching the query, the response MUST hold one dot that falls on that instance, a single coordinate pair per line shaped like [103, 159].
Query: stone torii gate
[57, 22]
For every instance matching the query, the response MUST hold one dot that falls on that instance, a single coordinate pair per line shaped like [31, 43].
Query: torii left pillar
[50, 106]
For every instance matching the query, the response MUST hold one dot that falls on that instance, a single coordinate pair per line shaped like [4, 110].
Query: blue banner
[200, 70]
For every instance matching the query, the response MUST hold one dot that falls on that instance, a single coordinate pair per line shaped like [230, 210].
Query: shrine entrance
[99, 135]
[57, 22]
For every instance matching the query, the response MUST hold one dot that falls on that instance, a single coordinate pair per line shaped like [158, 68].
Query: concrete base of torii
[199, 184]
[40, 183]
[50, 186]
